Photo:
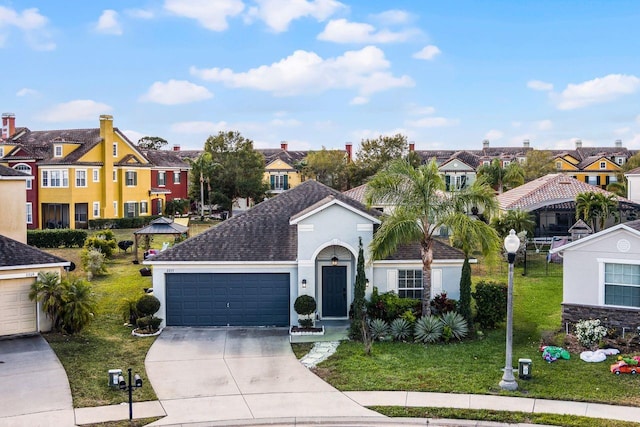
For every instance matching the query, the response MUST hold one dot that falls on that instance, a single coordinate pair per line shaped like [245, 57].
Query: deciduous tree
[152, 142]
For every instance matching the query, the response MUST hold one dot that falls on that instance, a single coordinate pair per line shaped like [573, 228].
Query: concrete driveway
[217, 374]
[35, 390]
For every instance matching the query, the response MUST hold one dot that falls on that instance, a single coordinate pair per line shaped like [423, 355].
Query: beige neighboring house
[19, 262]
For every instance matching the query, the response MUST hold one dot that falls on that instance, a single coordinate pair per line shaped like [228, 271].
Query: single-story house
[249, 270]
[19, 268]
[601, 277]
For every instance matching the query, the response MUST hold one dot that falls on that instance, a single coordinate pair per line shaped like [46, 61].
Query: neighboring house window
[620, 160]
[26, 169]
[96, 209]
[96, 175]
[162, 178]
[486, 163]
[81, 213]
[144, 207]
[57, 151]
[115, 149]
[130, 209]
[132, 178]
[593, 180]
[29, 213]
[55, 178]
[115, 209]
[603, 165]
[1, 151]
[558, 165]
[115, 176]
[622, 285]
[81, 178]
[176, 177]
[506, 163]
[279, 182]
[410, 284]
[521, 160]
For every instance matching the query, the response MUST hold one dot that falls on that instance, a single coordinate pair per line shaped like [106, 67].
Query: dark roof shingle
[14, 253]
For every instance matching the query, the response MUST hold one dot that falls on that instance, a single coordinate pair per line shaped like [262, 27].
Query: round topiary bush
[147, 305]
[305, 305]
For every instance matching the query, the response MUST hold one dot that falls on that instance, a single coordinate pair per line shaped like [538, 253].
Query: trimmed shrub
[148, 305]
[400, 329]
[491, 304]
[389, 306]
[428, 329]
[57, 238]
[379, 330]
[104, 241]
[305, 305]
[590, 332]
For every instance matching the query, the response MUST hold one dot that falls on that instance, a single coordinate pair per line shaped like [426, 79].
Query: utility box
[114, 374]
[524, 369]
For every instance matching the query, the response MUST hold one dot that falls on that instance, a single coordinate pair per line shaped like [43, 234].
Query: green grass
[474, 366]
[301, 349]
[107, 343]
[500, 416]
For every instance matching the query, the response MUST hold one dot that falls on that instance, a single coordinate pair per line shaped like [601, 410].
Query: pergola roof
[162, 225]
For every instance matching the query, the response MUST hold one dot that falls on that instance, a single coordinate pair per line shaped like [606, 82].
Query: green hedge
[63, 237]
[491, 303]
[133, 222]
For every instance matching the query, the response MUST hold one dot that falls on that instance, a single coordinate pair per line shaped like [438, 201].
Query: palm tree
[421, 207]
[595, 208]
[48, 291]
[79, 305]
[502, 178]
[514, 220]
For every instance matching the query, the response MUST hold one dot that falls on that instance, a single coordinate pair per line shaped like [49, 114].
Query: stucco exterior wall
[445, 277]
[13, 199]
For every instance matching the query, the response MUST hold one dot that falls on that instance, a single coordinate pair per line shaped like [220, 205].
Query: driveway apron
[35, 390]
[216, 374]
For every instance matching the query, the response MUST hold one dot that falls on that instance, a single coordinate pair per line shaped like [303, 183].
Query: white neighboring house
[602, 277]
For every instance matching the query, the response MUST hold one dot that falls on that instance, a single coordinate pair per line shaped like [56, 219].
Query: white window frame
[47, 178]
[162, 182]
[403, 281]
[96, 175]
[506, 163]
[592, 180]
[29, 213]
[176, 177]
[80, 178]
[144, 207]
[486, 163]
[115, 149]
[96, 209]
[133, 174]
[603, 165]
[278, 182]
[602, 282]
[115, 209]
[115, 176]
[57, 150]
[558, 165]
[23, 167]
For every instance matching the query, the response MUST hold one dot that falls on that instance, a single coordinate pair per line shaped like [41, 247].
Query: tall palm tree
[515, 219]
[502, 178]
[595, 208]
[421, 206]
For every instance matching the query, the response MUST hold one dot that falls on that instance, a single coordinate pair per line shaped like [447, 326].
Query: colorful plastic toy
[622, 367]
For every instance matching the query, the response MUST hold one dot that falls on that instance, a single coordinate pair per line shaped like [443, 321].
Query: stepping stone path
[319, 352]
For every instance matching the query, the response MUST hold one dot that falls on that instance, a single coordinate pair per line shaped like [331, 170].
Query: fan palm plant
[48, 291]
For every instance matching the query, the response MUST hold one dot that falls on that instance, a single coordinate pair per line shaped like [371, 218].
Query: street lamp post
[136, 383]
[511, 245]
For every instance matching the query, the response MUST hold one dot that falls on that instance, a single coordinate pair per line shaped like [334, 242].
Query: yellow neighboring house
[83, 174]
[19, 262]
[282, 168]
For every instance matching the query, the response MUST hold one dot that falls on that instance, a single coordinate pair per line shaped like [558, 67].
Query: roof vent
[618, 143]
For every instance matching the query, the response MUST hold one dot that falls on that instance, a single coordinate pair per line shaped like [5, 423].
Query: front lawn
[107, 343]
[474, 366]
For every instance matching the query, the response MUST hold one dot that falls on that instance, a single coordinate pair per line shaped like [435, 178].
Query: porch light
[304, 283]
[334, 260]
[367, 283]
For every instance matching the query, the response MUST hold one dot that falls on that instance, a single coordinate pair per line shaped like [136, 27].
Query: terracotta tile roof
[547, 190]
[14, 253]
[356, 193]
[263, 233]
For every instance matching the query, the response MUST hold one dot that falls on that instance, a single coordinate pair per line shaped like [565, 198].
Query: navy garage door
[227, 299]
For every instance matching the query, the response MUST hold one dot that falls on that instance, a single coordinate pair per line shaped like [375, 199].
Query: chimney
[485, 144]
[176, 147]
[525, 143]
[348, 148]
[8, 125]
[412, 146]
[618, 143]
[578, 143]
[284, 145]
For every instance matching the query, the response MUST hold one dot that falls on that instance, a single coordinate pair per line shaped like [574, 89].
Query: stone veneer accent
[612, 317]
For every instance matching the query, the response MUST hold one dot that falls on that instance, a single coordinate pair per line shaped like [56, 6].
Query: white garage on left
[19, 262]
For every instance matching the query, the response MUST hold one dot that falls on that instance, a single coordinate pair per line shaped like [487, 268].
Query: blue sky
[320, 73]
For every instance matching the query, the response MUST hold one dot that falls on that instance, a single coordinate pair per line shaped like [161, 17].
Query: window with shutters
[279, 182]
[410, 284]
[131, 178]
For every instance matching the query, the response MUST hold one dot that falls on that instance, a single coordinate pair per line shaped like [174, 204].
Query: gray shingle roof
[7, 171]
[263, 233]
[165, 158]
[14, 253]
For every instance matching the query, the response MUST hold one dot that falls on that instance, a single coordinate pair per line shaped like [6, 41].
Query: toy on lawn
[551, 353]
[623, 367]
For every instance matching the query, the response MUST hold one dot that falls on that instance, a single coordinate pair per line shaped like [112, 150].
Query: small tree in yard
[147, 306]
[359, 303]
[305, 305]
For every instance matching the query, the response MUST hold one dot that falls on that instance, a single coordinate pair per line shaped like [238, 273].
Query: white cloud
[418, 110]
[516, 124]
[391, 17]
[638, 119]
[108, 23]
[134, 136]
[212, 15]
[75, 111]
[25, 91]
[493, 134]
[277, 15]
[305, 72]
[343, 31]
[432, 122]
[31, 23]
[140, 13]
[176, 92]
[285, 123]
[539, 85]
[428, 52]
[596, 91]
[199, 127]
[544, 125]
[359, 100]
[621, 131]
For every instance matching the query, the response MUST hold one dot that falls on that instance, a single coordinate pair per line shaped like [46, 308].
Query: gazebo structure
[160, 225]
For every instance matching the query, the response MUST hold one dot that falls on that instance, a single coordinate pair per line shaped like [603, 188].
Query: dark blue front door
[334, 291]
